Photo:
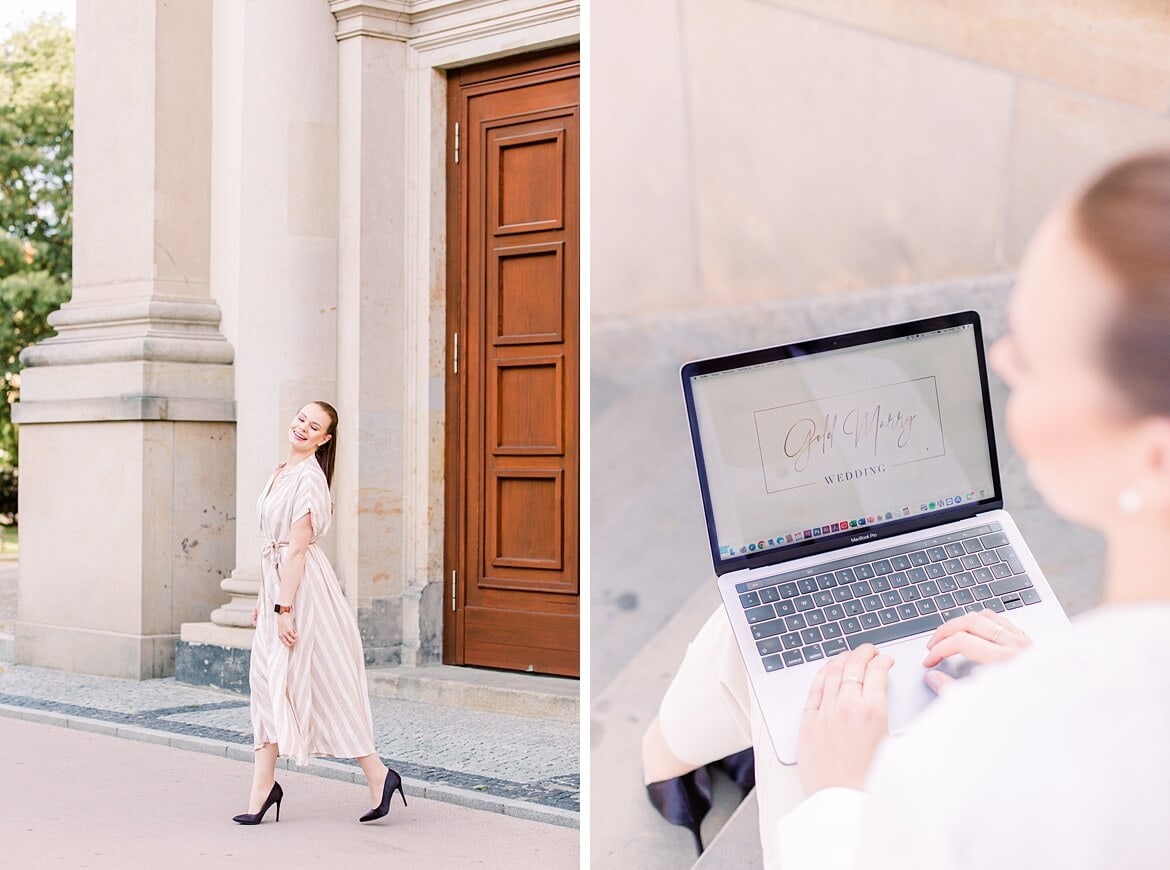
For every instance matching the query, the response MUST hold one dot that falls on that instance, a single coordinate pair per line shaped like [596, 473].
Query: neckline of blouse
[284, 467]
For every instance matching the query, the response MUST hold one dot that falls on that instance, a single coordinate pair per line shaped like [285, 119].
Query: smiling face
[310, 428]
[1067, 419]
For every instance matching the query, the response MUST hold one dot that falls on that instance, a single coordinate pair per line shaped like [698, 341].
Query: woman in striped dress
[308, 677]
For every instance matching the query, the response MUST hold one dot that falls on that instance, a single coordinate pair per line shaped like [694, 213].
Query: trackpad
[908, 690]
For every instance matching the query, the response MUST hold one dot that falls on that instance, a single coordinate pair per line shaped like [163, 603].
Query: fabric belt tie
[272, 548]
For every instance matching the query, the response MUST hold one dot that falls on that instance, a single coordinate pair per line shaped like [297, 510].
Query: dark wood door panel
[522, 305]
[524, 641]
[526, 406]
[535, 165]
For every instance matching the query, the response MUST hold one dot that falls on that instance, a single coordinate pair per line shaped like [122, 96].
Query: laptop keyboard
[819, 612]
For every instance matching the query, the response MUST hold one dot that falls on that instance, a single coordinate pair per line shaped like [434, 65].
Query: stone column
[372, 322]
[273, 268]
[127, 435]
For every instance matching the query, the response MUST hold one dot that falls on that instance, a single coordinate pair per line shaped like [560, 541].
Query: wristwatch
[282, 608]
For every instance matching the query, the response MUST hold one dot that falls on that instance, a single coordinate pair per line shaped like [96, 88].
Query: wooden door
[512, 518]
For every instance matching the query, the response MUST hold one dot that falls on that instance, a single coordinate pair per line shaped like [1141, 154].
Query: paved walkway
[71, 798]
[522, 767]
[514, 764]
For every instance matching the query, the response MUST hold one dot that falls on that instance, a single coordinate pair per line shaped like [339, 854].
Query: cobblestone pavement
[464, 752]
[471, 755]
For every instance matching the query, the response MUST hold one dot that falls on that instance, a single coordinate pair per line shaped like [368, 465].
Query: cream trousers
[709, 712]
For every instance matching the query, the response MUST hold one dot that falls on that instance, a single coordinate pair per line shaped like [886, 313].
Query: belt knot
[271, 548]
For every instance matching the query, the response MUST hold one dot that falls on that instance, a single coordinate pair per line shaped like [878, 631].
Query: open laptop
[852, 495]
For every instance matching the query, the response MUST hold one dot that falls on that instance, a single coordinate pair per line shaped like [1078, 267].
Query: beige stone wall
[132, 525]
[755, 150]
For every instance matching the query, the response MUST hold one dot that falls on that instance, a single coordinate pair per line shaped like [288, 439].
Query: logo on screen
[849, 437]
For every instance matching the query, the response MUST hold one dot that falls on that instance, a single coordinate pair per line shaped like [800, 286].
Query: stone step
[212, 655]
[737, 844]
[626, 830]
[517, 694]
[7, 647]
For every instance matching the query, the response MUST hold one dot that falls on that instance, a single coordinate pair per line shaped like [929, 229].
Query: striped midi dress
[312, 700]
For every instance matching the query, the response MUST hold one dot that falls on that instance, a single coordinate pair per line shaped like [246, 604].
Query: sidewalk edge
[326, 768]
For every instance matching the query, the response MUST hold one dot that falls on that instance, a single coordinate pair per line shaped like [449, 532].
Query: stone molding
[121, 408]
[144, 329]
[431, 24]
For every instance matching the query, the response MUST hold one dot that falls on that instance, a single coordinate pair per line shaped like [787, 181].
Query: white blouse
[1059, 758]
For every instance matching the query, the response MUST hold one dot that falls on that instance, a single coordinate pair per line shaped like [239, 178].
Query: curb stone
[317, 767]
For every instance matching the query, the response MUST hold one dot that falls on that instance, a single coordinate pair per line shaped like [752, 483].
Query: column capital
[380, 19]
[431, 24]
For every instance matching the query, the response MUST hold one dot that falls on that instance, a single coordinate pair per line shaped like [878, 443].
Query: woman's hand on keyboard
[845, 718]
[983, 636]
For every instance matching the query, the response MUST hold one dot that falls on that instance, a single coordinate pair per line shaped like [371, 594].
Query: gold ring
[998, 631]
[845, 680]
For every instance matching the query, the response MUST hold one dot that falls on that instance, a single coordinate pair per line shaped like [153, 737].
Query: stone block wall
[754, 150]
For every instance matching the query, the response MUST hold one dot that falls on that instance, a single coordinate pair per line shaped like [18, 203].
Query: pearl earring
[1130, 501]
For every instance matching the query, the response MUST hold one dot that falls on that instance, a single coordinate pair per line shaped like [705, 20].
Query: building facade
[371, 203]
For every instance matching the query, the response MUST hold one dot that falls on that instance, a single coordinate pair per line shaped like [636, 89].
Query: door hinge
[453, 576]
[456, 141]
[455, 355]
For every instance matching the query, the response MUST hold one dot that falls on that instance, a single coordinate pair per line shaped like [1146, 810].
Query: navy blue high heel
[275, 796]
[684, 800]
[741, 767]
[393, 782]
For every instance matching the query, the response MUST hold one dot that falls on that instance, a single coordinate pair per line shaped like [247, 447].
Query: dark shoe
[274, 797]
[393, 781]
[683, 800]
[741, 767]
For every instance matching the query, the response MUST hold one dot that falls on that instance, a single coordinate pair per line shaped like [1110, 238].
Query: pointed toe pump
[741, 767]
[393, 783]
[274, 797]
[683, 800]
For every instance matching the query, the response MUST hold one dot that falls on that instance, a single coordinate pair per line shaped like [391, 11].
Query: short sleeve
[312, 497]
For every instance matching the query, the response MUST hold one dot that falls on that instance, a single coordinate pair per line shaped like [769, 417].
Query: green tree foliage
[36, 192]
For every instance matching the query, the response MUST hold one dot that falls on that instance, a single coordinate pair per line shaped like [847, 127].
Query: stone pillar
[273, 268]
[127, 434]
[372, 325]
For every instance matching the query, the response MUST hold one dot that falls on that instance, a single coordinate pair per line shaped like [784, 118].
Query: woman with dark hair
[1053, 754]
[308, 676]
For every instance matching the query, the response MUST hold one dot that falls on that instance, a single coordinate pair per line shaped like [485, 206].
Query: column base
[244, 587]
[214, 655]
[103, 653]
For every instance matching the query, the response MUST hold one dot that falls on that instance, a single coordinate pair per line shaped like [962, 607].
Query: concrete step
[737, 844]
[517, 694]
[625, 830]
[7, 647]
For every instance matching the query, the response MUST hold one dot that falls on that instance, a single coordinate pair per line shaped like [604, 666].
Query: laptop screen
[824, 443]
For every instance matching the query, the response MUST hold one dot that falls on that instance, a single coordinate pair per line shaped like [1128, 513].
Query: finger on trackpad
[957, 666]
